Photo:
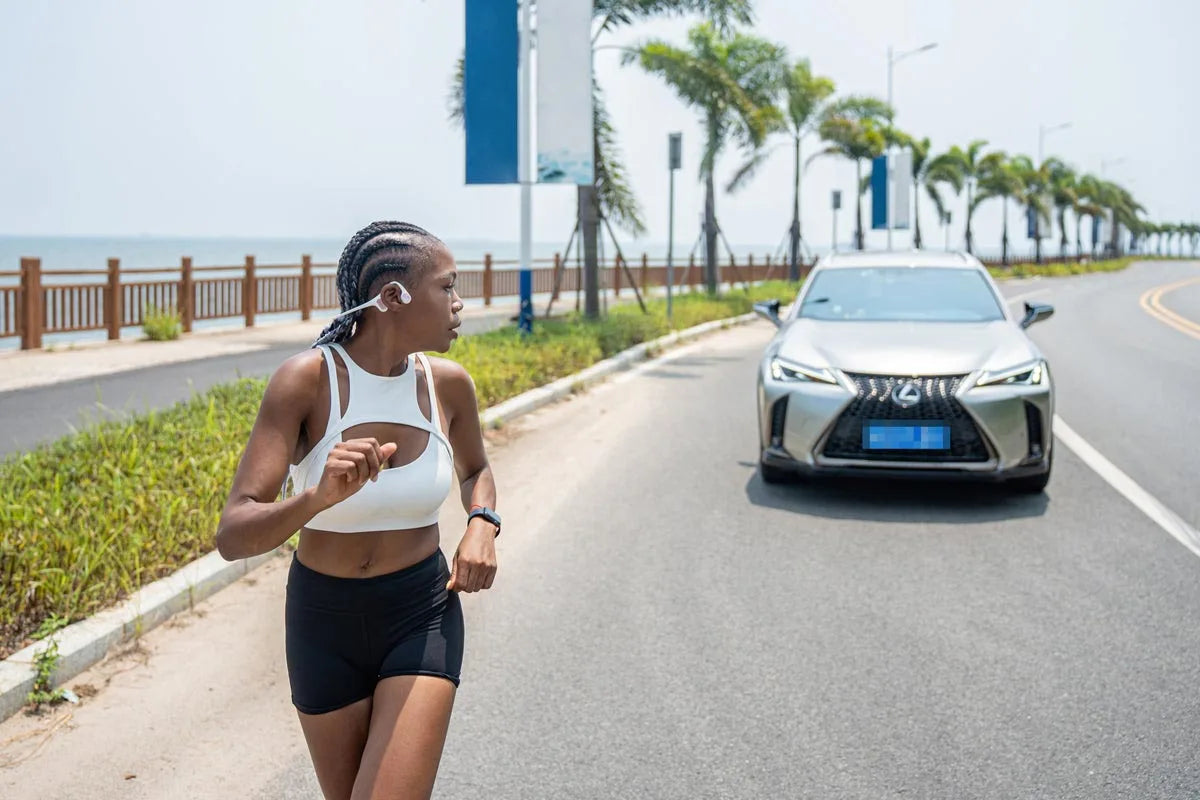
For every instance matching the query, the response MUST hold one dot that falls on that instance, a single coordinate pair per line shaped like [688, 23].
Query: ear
[394, 291]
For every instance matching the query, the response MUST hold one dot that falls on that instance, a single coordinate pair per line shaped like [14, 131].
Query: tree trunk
[970, 244]
[794, 253]
[1062, 232]
[588, 230]
[1078, 234]
[1115, 243]
[1094, 218]
[858, 230]
[1037, 237]
[1004, 234]
[916, 216]
[710, 236]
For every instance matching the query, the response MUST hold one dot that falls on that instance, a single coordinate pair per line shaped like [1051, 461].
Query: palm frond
[747, 171]
[456, 100]
[613, 190]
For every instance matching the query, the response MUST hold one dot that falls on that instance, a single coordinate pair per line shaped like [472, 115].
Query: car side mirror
[1036, 312]
[769, 310]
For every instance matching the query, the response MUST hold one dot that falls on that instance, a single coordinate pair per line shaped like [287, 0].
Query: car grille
[937, 403]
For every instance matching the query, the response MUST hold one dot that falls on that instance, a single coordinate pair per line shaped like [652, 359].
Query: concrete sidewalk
[25, 369]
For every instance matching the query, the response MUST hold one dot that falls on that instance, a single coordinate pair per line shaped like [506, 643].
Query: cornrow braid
[351, 282]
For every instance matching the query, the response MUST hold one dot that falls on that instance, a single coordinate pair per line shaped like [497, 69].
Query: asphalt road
[665, 625]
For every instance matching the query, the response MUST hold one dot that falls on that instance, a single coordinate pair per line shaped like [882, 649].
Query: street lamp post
[1110, 162]
[892, 60]
[1042, 131]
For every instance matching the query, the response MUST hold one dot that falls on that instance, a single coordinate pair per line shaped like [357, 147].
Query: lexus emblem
[906, 395]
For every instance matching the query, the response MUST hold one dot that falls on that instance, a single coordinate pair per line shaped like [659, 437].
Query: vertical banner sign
[490, 91]
[902, 189]
[1030, 223]
[879, 198]
[564, 91]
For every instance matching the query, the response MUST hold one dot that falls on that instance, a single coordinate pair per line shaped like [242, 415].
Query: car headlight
[783, 370]
[1029, 374]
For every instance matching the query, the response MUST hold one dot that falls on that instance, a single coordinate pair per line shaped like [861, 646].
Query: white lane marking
[1167, 519]
[1126, 486]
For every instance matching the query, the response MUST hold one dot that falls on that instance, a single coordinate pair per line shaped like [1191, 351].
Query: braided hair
[387, 247]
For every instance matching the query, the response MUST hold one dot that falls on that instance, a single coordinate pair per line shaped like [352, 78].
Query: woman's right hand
[349, 466]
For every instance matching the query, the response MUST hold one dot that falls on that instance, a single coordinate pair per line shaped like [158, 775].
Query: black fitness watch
[488, 514]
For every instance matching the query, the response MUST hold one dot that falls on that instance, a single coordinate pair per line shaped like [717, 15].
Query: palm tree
[1158, 229]
[611, 193]
[1085, 206]
[1122, 208]
[1034, 181]
[967, 162]
[732, 80]
[855, 127]
[1063, 195]
[805, 95]
[999, 179]
[929, 173]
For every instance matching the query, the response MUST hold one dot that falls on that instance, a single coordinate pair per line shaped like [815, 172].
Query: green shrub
[161, 325]
[1028, 270]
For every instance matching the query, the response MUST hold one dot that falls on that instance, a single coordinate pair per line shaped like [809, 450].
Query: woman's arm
[474, 565]
[252, 521]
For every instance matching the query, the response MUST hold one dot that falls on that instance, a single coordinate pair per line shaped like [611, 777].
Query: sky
[310, 119]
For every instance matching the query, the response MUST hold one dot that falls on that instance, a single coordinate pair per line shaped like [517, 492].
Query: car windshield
[918, 294]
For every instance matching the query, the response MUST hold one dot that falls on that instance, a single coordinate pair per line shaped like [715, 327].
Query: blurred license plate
[905, 435]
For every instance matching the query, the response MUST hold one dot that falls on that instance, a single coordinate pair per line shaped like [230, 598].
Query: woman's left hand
[474, 565]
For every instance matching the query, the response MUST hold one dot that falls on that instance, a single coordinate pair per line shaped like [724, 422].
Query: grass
[161, 325]
[92, 517]
[1029, 270]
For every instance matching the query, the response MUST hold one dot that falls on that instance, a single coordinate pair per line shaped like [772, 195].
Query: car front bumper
[997, 433]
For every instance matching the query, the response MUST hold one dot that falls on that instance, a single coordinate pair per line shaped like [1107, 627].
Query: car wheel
[772, 474]
[1033, 484]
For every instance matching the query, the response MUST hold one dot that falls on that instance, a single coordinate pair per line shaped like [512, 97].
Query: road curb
[564, 387]
[85, 643]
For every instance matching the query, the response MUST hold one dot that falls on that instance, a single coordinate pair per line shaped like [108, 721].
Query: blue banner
[1030, 223]
[879, 194]
[490, 91]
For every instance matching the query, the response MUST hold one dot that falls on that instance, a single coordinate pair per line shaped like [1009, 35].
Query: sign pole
[674, 158]
[525, 90]
[837, 203]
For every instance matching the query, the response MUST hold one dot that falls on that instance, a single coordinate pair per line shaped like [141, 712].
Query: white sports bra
[403, 497]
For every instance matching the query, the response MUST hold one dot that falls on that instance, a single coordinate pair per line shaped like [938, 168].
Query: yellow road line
[1151, 303]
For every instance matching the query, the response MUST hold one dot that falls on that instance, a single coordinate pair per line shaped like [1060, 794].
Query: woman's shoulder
[298, 376]
[451, 376]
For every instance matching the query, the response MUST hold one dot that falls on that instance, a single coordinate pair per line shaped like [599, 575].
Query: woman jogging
[368, 433]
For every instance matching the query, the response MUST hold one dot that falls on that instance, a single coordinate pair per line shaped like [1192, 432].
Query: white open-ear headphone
[377, 300]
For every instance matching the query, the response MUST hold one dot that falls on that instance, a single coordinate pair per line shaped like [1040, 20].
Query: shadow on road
[895, 500]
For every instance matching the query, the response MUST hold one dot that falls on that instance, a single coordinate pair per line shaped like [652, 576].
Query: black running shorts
[343, 635]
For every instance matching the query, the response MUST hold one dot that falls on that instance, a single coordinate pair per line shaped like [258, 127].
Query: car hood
[906, 348]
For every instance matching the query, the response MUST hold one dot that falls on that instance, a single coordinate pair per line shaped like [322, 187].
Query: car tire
[772, 474]
[1033, 484]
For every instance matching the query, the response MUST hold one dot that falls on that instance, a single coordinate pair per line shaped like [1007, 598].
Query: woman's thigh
[410, 716]
[335, 742]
